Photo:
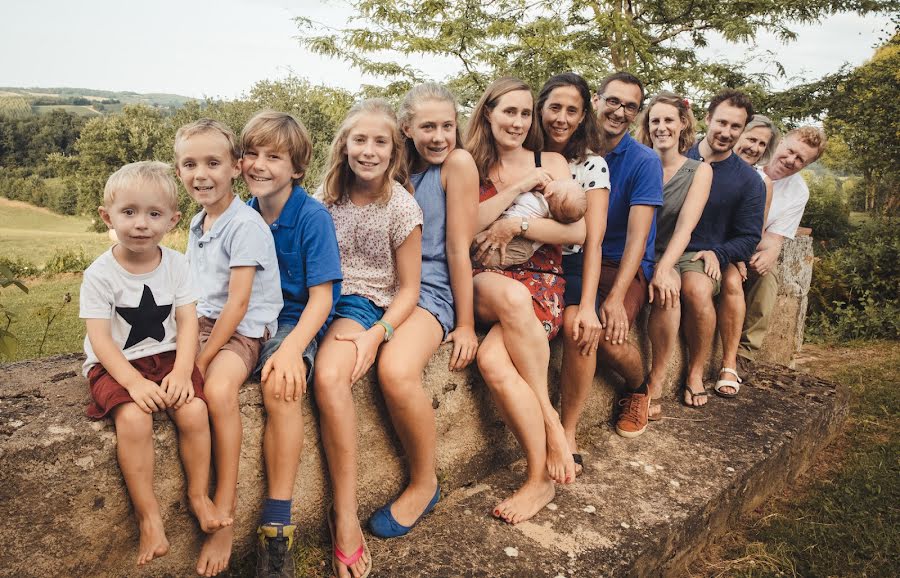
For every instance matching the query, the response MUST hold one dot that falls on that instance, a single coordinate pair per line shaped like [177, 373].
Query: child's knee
[192, 415]
[131, 420]
[281, 405]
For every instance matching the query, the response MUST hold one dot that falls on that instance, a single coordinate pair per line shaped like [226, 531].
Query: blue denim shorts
[272, 345]
[359, 309]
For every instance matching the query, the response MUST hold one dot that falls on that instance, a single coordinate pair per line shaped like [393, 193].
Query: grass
[35, 234]
[841, 518]
[31, 310]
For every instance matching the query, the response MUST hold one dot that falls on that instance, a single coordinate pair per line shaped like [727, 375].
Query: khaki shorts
[685, 264]
[247, 348]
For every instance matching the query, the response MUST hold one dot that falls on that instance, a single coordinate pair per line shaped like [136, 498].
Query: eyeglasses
[631, 108]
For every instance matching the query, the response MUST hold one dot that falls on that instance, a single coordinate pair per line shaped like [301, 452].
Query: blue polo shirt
[308, 254]
[731, 223]
[635, 178]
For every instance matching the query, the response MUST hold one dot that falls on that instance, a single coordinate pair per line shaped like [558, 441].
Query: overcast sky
[202, 49]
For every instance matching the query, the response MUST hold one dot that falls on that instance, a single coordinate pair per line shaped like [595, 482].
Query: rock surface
[64, 510]
[644, 507]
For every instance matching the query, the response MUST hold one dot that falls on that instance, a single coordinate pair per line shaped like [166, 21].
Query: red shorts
[107, 393]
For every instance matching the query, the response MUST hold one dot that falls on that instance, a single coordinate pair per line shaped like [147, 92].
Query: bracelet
[388, 329]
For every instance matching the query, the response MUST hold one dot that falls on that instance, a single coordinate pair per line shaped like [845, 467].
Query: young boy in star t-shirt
[139, 309]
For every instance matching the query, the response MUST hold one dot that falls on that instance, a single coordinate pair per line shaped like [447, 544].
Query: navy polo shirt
[308, 254]
[635, 178]
[731, 223]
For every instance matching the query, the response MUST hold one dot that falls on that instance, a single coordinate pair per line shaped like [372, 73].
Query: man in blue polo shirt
[635, 191]
[728, 232]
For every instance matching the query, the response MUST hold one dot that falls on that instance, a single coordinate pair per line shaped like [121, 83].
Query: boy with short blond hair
[233, 265]
[139, 308]
[276, 153]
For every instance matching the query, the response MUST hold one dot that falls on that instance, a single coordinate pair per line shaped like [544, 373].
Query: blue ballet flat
[383, 524]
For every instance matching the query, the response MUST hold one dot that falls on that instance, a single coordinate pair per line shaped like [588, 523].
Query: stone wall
[63, 506]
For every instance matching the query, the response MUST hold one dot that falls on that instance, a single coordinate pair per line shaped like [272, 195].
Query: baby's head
[567, 206]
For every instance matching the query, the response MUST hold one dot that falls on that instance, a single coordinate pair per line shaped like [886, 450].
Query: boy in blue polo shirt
[234, 268]
[276, 152]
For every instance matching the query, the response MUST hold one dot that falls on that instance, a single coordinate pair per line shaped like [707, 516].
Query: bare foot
[208, 515]
[216, 552]
[526, 502]
[411, 504]
[153, 540]
[348, 539]
[560, 464]
[655, 388]
[655, 412]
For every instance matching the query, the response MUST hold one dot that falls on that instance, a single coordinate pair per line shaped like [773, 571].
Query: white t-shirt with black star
[140, 308]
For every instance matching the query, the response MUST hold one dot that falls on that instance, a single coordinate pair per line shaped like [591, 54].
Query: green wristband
[388, 329]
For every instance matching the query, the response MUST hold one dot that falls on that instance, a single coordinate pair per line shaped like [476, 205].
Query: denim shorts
[359, 309]
[274, 342]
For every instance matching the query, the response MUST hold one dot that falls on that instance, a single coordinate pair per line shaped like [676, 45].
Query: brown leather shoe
[635, 409]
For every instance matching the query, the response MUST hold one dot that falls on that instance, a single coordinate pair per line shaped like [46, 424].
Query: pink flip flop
[343, 558]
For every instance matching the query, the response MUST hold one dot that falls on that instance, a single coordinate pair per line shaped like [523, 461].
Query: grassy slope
[34, 234]
[841, 517]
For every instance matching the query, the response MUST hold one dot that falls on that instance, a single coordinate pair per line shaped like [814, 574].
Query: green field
[74, 109]
[33, 234]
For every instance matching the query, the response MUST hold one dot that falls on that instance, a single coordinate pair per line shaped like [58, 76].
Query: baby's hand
[535, 180]
[561, 187]
[147, 395]
[179, 389]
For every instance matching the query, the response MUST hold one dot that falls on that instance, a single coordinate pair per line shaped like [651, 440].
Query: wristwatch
[524, 227]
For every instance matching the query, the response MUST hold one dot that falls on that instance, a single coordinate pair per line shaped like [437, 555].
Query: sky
[221, 50]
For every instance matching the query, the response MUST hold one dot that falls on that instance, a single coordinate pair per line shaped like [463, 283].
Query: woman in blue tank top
[428, 119]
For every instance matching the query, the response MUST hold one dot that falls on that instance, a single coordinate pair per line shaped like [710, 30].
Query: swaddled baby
[566, 205]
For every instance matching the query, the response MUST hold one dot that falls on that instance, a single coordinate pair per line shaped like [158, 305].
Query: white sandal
[733, 383]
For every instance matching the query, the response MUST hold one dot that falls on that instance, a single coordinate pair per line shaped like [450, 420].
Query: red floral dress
[542, 275]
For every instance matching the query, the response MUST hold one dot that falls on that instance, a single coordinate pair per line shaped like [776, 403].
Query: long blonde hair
[339, 178]
[480, 139]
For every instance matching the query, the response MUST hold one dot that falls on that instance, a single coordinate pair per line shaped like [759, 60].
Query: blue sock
[276, 512]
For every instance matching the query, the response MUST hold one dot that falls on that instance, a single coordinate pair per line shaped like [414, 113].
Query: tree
[108, 142]
[865, 111]
[534, 39]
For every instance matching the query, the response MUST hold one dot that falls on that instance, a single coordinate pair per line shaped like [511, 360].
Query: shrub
[826, 211]
[19, 268]
[854, 292]
[67, 261]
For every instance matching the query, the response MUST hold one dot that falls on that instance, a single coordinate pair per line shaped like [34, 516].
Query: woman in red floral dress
[523, 303]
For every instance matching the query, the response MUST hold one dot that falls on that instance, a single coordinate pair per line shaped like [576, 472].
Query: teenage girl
[446, 188]
[668, 126]
[378, 226]
[521, 304]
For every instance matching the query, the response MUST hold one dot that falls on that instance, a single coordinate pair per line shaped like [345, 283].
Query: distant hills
[16, 101]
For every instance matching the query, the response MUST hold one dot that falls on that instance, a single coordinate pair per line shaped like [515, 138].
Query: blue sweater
[731, 223]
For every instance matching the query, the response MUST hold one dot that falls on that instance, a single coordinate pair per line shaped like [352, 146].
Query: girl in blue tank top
[446, 187]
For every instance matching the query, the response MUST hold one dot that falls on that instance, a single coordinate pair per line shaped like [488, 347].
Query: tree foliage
[143, 133]
[865, 112]
[534, 39]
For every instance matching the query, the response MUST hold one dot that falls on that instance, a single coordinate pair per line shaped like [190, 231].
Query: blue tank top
[435, 294]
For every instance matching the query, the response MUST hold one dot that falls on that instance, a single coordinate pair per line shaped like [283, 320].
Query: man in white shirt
[743, 324]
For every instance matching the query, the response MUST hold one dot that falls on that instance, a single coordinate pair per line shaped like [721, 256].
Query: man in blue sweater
[728, 231]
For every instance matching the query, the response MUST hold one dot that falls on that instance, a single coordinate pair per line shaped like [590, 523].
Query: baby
[566, 205]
